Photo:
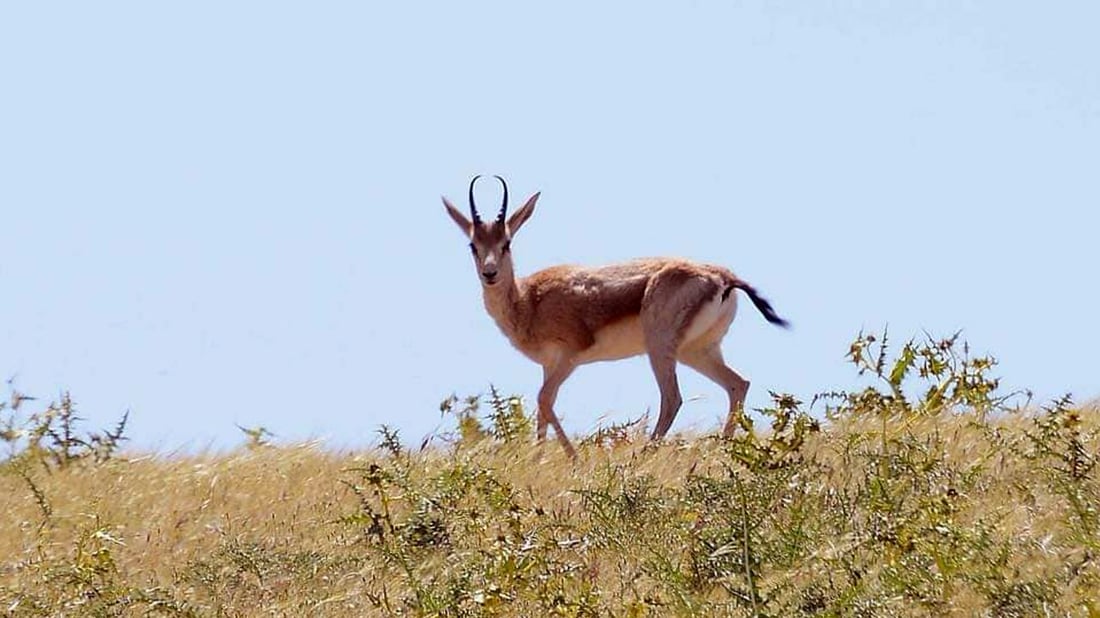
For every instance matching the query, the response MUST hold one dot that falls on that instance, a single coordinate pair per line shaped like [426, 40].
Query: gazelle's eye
[507, 246]
[473, 249]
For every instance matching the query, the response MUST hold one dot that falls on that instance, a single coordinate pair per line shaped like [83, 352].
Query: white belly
[625, 338]
[621, 339]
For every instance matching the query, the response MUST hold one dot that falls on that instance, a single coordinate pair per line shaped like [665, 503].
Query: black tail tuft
[762, 304]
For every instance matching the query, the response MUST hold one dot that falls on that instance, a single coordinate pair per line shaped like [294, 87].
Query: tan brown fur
[564, 316]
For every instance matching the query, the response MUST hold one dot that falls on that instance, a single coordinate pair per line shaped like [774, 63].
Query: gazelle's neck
[502, 303]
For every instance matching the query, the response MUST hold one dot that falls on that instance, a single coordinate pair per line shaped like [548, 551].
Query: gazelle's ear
[460, 219]
[521, 216]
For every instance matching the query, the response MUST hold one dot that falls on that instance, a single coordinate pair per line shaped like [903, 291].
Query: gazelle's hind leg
[709, 362]
[671, 303]
[663, 361]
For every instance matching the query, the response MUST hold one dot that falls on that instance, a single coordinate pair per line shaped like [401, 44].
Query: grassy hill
[924, 492]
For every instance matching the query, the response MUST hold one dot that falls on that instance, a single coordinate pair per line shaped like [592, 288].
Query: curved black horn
[473, 208]
[504, 204]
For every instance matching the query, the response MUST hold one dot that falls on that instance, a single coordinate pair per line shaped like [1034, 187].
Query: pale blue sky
[221, 213]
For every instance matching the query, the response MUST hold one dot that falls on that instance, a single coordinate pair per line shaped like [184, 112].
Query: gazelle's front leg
[552, 378]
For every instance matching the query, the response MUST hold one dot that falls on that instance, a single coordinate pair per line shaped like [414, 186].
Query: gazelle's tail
[761, 303]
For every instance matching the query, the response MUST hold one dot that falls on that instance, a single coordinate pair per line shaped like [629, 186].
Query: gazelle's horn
[473, 207]
[504, 204]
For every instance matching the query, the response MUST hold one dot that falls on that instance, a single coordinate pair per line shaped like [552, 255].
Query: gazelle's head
[491, 243]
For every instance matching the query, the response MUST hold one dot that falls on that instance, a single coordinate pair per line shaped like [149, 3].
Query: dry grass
[893, 507]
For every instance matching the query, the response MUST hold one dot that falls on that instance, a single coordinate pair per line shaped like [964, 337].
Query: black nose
[489, 275]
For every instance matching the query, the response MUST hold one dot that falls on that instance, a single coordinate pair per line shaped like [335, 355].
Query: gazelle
[566, 316]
